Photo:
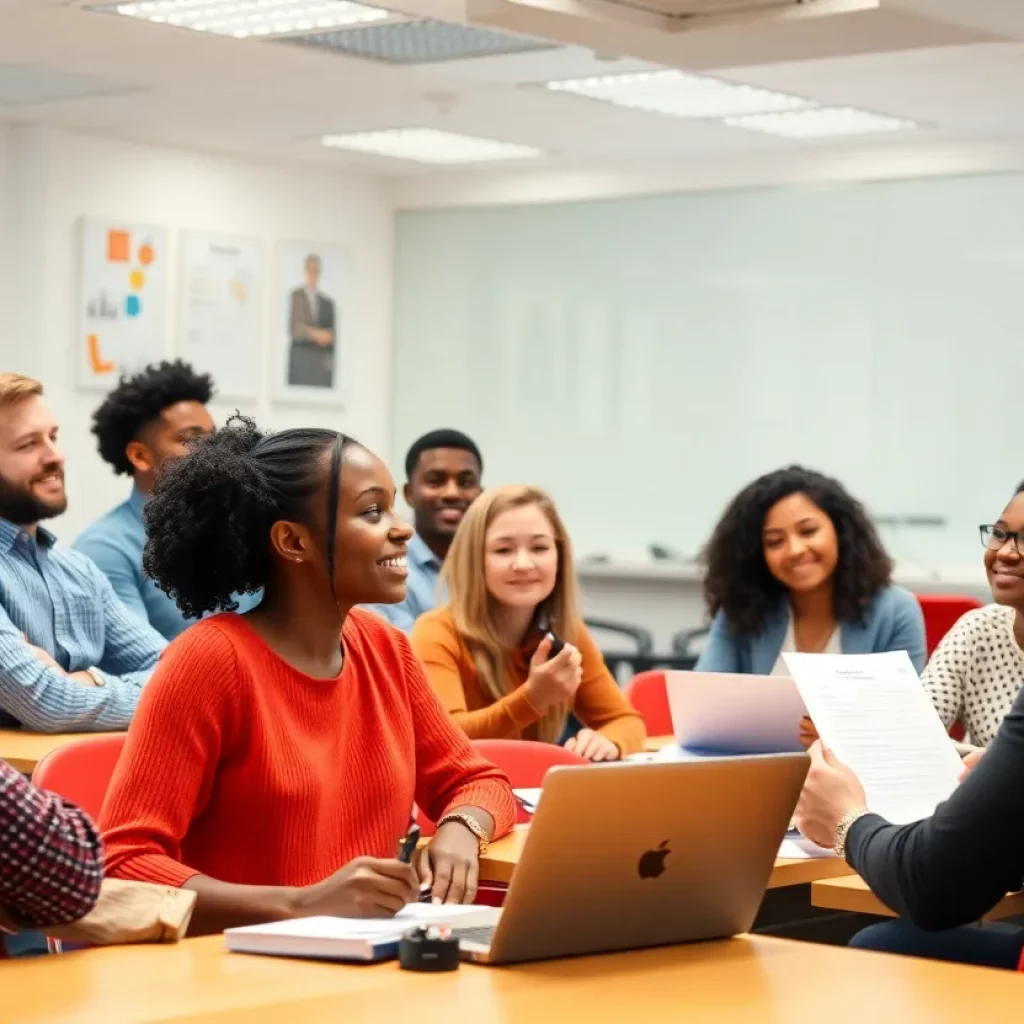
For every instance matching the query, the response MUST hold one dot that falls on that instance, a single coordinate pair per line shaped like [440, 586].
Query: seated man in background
[72, 658]
[51, 864]
[443, 471]
[146, 420]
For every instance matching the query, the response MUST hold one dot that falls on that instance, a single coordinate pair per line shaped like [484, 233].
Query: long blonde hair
[473, 609]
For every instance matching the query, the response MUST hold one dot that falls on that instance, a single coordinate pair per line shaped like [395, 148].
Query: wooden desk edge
[499, 864]
[23, 750]
[852, 894]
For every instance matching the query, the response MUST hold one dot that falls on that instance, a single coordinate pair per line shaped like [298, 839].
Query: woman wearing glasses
[976, 671]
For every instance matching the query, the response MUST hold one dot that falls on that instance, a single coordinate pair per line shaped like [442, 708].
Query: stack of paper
[351, 938]
[873, 713]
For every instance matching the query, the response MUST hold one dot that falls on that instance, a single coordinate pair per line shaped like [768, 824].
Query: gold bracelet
[472, 824]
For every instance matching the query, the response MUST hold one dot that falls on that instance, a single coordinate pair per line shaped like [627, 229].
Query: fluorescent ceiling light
[679, 94]
[429, 146]
[245, 18]
[822, 123]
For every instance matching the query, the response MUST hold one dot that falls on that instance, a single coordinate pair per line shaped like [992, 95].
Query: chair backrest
[80, 771]
[526, 762]
[646, 692]
[941, 612]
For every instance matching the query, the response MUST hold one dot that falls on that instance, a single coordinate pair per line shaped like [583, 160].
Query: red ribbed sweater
[241, 768]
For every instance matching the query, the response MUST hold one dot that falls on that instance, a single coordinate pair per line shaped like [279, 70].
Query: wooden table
[752, 978]
[852, 893]
[498, 864]
[24, 750]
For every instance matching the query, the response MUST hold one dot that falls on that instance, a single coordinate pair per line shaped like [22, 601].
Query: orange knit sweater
[599, 704]
[241, 768]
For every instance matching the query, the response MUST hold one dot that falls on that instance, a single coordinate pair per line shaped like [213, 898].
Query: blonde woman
[487, 652]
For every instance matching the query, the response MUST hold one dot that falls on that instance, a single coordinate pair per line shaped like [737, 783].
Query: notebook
[350, 938]
[527, 799]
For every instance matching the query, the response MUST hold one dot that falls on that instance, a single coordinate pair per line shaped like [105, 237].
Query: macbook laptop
[722, 713]
[631, 855]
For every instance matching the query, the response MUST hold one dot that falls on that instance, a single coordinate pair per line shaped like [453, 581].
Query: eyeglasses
[995, 537]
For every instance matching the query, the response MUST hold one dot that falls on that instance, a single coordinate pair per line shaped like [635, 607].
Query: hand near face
[831, 791]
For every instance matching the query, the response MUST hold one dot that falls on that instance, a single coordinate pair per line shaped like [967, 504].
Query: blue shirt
[892, 622]
[421, 591]
[59, 601]
[115, 542]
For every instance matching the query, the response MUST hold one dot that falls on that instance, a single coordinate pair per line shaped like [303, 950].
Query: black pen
[408, 843]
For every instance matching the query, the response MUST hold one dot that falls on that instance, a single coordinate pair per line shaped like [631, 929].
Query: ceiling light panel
[429, 146]
[248, 18]
[822, 123]
[679, 94]
[420, 42]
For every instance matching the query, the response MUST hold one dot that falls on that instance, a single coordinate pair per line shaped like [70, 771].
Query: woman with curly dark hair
[795, 564]
[275, 756]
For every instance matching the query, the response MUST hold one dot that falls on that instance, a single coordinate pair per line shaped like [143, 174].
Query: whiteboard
[645, 358]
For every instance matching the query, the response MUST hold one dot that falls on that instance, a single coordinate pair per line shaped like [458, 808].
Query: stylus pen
[408, 843]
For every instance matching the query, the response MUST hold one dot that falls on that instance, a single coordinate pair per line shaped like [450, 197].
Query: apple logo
[652, 863]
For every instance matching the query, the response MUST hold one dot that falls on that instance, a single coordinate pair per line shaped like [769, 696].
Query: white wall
[53, 178]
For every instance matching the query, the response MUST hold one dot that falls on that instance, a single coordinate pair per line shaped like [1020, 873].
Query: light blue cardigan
[892, 622]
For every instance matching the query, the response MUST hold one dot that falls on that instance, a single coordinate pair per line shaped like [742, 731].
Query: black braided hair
[209, 518]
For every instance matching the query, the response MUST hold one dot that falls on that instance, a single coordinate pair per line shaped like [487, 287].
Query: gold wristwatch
[472, 824]
[843, 830]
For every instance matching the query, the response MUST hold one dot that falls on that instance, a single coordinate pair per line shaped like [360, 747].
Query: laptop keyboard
[482, 936]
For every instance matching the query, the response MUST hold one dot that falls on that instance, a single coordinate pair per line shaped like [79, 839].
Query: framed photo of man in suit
[313, 280]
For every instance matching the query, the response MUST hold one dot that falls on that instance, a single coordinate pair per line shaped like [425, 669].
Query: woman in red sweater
[270, 767]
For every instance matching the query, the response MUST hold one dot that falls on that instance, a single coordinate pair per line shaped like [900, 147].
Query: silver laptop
[722, 713]
[631, 855]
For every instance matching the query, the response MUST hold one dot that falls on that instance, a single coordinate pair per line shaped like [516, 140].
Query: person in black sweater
[940, 875]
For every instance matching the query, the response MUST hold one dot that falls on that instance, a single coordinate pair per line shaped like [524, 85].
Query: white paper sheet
[799, 848]
[528, 798]
[874, 714]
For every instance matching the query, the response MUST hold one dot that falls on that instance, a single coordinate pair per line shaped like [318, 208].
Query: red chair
[941, 611]
[81, 771]
[646, 692]
[525, 762]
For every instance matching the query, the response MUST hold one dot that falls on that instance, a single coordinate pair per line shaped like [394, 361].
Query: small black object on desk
[430, 948]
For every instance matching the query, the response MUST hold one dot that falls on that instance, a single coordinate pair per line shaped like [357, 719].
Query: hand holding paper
[874, 715]
[831, 791]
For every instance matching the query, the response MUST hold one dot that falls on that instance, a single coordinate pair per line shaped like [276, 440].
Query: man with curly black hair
[146, 420]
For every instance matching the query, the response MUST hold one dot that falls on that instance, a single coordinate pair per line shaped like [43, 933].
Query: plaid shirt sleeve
[51, 857]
